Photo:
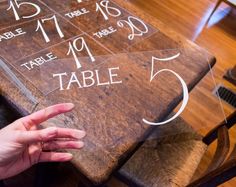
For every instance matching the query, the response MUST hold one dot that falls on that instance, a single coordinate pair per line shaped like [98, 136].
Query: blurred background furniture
[231, 75]
[229, 2]
[170, 157]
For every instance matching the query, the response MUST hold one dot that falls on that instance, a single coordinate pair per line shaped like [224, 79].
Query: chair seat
[169, 157]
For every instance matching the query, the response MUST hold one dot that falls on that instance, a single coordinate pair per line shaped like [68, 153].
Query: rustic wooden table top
[98, 55]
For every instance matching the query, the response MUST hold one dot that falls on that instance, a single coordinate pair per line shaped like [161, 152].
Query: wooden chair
[231, 75]
[172, 154]
[229, 2]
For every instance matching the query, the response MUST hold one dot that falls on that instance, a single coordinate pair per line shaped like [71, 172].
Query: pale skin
[23, 144]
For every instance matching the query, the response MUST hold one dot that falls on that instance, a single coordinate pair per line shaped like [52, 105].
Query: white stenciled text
[105, 32]
[88, 78]
[39, 61]
[11, 34]
[77, 13]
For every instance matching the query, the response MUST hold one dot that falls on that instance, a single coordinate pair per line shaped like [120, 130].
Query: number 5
[18, 5]
[184, 87]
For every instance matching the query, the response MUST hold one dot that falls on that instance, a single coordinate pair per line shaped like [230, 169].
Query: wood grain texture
[110, 115]
[222, 168]
[223, 146]
[188, 18]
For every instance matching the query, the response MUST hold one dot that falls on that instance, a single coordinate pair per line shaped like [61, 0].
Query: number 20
[135, 30]
[17, 5]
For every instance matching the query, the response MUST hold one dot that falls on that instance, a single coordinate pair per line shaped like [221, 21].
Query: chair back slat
[232, 156]
[221, 168]
[218, 176]
[212, 135]
[222, 150]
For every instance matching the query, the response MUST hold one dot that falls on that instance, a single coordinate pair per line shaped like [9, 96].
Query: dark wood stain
[112, 115]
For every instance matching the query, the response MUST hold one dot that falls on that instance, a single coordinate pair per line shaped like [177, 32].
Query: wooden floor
[188, 18]
[218, 37]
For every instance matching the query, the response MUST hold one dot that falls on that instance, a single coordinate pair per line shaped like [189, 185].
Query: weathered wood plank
[111, 112]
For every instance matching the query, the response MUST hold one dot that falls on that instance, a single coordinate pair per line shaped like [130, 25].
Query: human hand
[23, 144]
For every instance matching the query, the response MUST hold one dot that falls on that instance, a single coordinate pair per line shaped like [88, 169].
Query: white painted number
[135, 30]
[14, 5]
[73, 48]
[184, 86]
[40, 26]
[110, 11]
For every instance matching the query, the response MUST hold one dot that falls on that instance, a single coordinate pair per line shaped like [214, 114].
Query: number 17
[43, 31]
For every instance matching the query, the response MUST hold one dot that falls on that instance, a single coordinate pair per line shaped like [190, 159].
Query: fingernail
[80, 134]
[67, 157]
[69, 106]
[79, 145]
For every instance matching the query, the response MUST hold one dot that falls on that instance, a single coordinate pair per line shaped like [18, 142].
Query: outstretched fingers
[56, 145]
[55, 157]
[45, 114]
[49, 134]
